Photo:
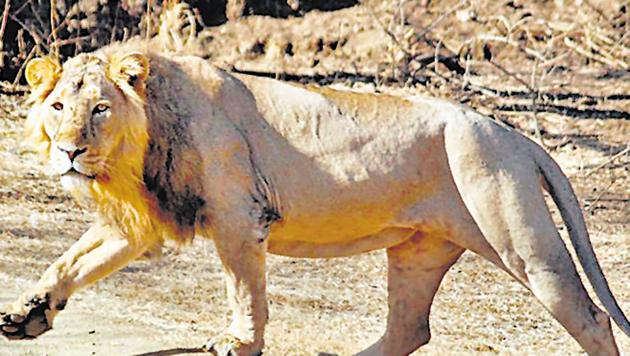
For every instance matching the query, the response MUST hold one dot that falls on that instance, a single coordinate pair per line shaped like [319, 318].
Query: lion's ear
[129, 70]
[42, 75]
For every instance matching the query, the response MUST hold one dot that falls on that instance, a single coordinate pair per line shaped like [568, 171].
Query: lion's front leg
[242, 252]
[99, 252]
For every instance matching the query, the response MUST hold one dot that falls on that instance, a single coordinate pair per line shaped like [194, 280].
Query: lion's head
[88, 116]
[88, 119]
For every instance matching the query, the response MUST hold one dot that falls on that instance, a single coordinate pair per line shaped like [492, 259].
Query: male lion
[171, 148]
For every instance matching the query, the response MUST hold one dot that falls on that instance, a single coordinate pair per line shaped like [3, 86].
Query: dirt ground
[172, 305]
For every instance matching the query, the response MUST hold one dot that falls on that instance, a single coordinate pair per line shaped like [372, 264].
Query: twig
[112, 37]
[466, 73]
[19, 9]
[387, 31]
[57, 28]
[598, 10]
[73, 40]
[436, 68]
[620, 43]
[5, 16]
[53, 32]
[608, 161]
[599, 58]
[441, 18]
[35, 12]
[512, 75]
[401, 14]
[37, 37]
[535, 97]
[594, 202]
[148, 34]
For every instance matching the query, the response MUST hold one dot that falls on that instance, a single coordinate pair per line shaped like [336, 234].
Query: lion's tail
[563, 195]
[178, 28]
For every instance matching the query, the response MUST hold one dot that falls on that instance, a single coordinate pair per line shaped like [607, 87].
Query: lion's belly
[383, 239]
[351, 220]
[338, 225]
[331, 214]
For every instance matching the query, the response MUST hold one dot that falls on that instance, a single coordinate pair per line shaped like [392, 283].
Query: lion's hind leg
[533, 252]
[504, 196]
[415, 270]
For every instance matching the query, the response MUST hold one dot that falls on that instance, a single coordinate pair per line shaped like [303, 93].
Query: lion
[169, 147]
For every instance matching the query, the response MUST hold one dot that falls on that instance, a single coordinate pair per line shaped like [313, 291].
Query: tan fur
[262, 166]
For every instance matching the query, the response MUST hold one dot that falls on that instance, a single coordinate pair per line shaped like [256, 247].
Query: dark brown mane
[170, 159]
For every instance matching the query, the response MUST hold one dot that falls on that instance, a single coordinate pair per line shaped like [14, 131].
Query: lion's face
[89, 114]
[82, 119]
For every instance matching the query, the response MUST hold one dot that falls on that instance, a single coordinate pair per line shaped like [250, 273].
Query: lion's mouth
[73, 172]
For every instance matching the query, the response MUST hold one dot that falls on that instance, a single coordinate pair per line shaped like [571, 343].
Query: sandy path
[87, 327]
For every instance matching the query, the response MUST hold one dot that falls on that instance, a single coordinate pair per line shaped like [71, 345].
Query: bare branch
[608, 161]
[5, 16]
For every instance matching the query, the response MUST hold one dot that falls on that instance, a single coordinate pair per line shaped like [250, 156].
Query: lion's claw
[9, 329]
[17, 318]
[228, 345]
[25, 320]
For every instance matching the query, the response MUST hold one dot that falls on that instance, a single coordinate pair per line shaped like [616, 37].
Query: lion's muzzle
[67, 161]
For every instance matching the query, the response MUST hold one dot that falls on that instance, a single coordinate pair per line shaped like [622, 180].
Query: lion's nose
[72, 152]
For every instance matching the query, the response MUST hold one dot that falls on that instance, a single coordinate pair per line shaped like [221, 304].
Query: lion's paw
[229, 345]
[25, 320]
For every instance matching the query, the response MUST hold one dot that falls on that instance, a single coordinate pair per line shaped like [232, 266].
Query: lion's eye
[57, 106]
[100, 108]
